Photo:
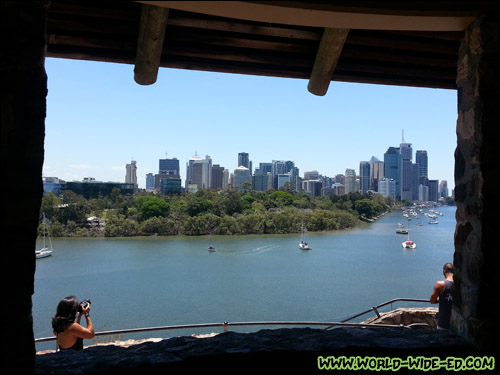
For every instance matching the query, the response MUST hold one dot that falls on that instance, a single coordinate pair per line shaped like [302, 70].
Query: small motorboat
[304, 246]
[211, 249]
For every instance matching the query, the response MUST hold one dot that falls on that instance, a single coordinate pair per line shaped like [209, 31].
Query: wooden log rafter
[150, 43]
[328, 54]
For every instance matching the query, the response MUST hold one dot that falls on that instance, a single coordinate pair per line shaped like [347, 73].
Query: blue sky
[98, 119]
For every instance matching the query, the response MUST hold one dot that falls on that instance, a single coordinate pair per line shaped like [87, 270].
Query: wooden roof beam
[150, 43]
[329, 14]
[328, 54]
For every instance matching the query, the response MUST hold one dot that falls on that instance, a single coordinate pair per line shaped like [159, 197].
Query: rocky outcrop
[425, 318]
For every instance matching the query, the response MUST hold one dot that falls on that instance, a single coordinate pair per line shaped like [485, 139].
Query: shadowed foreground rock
[263, 351]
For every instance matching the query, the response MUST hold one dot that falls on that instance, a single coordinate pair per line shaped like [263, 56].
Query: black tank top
[445, 304]
[78, 345]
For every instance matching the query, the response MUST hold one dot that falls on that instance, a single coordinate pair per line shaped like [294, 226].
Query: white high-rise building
[242, 178]
[199, 172]
[387, 187]
[131, 173]
[350, 181]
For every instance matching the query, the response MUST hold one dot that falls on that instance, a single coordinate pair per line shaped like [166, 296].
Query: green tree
[118, 226]
[49, 207]
[282, 198]
[153, 207]
[199, 205]
[155, 225]
[368, 208]
[74, 208]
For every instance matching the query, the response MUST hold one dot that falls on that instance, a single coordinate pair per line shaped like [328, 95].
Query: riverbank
[276, 222]
[207, 213]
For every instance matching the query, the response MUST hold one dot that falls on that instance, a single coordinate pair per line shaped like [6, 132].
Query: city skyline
[98, 120]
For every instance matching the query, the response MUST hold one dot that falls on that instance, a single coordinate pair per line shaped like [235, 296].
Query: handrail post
[376, 311]
[226, 327]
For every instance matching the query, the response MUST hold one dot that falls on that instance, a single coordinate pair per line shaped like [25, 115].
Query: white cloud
[80, 166]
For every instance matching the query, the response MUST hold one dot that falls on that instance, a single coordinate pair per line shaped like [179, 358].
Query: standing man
[443, 294]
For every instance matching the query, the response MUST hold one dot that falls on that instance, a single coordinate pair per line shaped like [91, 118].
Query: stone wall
[280, 351]
[476, 183]
[23, 109]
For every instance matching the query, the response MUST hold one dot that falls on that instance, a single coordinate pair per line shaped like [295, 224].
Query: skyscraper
[201, 172]
[217, 177]
[443, 189]
[281, 167]
[266, 168]
[364, 176]
[169, 166]
[421, 160]
[392, 168]
[350, 181]
[406, 155]
[189, 168]
[242, 178]
[244, 160]
[387, 187]
[376, 172]
[168, 179]
[131, 173]
[150, 182]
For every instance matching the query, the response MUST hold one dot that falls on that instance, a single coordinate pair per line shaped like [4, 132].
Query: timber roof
[415, 46]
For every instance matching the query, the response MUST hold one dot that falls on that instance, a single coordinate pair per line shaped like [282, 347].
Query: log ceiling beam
[328, 54]
[150, 43]
[329, 15]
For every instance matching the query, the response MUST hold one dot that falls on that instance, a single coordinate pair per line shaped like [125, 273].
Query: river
[158, 281]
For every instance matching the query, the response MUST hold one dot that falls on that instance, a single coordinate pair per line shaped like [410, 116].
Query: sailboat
[45, 251]
[303, 244]
[408, 244]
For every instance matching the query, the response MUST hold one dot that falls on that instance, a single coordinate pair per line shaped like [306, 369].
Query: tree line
[206, 212]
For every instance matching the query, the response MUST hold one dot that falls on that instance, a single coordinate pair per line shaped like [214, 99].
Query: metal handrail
[226, 325]
[375, 308]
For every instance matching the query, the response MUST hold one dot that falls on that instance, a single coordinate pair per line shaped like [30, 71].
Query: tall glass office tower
[169, 166]
[392, 168]
[364, 176]
[422, 161]
[406, 153]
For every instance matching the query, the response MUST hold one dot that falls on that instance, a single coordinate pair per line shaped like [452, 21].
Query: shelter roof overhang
[386, 42]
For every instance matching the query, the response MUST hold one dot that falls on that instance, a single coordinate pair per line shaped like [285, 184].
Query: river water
[158, 281]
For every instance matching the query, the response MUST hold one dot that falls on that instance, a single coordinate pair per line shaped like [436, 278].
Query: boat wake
[258, 250]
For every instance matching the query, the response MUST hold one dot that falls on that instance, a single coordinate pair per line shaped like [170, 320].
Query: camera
[83, 304]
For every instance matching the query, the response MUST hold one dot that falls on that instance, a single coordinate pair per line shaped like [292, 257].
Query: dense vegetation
[207, 212]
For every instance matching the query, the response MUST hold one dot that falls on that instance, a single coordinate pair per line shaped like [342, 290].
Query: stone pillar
[23, 110]
[476, 184]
